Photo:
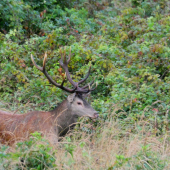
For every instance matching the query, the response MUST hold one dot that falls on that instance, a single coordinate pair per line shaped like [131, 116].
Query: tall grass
[112, 144]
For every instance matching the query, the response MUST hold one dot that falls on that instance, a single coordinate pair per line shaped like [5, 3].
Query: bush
[127, 45]
[35, 153]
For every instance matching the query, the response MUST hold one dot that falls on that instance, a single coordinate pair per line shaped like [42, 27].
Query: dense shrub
[127, 44]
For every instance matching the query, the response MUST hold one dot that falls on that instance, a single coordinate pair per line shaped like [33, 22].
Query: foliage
[25, 18]
[35, 153]
[127, 44]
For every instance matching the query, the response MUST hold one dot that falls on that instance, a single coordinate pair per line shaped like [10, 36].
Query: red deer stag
[52, 124]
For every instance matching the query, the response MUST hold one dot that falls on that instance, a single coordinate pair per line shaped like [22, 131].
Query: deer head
[78, 105]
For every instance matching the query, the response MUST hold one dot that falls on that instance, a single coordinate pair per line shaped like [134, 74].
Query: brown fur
[15, 127]
[19, 127]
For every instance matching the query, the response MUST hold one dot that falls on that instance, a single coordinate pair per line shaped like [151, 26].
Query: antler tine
[64, 65]
[84, 90]
[65, 58]
[84, 87]
[69, 57]
[64, 78]
[81, 81]
[94, 87]
[38, 67]
[44, 61]
[64, 51]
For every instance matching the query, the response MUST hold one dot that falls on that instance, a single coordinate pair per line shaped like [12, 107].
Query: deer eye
[79, 103]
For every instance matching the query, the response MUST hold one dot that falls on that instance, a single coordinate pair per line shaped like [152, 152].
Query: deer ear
[71, 97]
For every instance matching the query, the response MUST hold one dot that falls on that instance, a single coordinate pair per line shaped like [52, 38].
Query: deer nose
[96, 115]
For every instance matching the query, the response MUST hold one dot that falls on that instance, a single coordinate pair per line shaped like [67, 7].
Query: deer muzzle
[96, 115]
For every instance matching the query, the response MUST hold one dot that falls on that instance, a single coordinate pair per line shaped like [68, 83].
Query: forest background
[127, 42]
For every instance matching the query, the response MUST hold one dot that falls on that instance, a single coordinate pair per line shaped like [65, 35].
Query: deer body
[52, 124]
[19, 126]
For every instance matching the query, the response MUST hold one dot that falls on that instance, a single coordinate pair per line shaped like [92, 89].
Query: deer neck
[63, 118]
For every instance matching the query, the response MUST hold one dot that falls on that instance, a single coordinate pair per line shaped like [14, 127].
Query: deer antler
[42, 69]
[64, 64]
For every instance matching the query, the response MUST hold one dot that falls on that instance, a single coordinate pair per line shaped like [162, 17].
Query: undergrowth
[127, 44]
[109, 145]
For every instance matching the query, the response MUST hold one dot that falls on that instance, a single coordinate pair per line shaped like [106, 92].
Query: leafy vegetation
[127, 43]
